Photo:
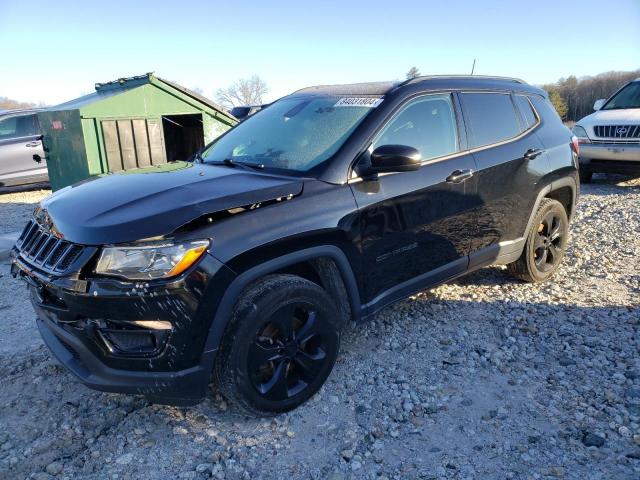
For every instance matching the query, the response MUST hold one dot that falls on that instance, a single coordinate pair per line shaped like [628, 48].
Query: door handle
[533, 153]
[459, 176]
[33, 144]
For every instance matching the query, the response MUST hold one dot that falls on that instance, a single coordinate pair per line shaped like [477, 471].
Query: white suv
[610, 137]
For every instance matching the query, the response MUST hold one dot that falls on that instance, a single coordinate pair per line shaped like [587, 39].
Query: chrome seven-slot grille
[626, 132]
[45, 251]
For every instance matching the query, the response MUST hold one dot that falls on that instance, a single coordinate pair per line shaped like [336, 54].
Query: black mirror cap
[395, 158]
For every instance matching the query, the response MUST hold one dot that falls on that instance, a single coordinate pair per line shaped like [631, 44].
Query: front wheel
[280, 345]
[545, 245]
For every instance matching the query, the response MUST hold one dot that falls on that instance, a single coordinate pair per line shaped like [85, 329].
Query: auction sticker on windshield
[359, 102]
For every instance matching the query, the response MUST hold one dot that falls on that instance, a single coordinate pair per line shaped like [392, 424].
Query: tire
[545, 245]
[280, 345]
[585, 175]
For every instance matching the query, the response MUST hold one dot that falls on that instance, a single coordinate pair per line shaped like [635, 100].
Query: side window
[8, 127]
[526, 110]
[545, 109]
[427, 123]
[27, 125]
[491, 117]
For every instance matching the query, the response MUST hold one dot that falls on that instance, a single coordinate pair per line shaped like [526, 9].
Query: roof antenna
[473, 67]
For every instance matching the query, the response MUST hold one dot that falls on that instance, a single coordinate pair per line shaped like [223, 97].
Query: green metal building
[127, 123]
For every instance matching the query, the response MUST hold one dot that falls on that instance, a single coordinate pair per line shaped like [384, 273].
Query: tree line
[573, 97]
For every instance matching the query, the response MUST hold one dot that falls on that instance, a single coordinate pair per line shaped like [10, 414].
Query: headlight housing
[581, 133]
[150, 261]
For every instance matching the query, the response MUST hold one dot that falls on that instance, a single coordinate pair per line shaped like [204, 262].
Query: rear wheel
[280, 346]
[545, 245]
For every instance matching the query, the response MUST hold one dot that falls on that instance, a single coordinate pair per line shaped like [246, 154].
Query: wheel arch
[326, 264]
[564, 190]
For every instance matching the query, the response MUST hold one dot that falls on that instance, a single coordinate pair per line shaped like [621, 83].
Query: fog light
[134, 341]
[153, 324]
[133, 337]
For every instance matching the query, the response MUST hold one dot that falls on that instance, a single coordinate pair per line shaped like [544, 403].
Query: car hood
[138, 204]
[627, 116]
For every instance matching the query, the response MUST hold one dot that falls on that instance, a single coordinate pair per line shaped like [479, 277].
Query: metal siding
[127, 145]
[156, 142]
[112, 145]
[143, 153]
[92, 144]
[65, 147]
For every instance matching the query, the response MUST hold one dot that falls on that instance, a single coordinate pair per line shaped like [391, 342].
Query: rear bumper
[184, 387]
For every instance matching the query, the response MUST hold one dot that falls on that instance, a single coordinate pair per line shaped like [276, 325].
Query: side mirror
[395, 158]
[598, 104]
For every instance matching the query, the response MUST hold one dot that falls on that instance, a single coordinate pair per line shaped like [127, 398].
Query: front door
[415, 226]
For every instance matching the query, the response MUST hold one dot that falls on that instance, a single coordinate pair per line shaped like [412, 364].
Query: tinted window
[8, 127]
[491, 117]
[545, 109]
[19, 126]
[27, 125]
[526, 110]
[427, 123]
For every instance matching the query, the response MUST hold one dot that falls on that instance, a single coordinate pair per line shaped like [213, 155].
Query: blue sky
[55, 50]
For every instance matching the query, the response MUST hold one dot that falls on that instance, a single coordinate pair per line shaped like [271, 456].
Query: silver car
[20, 140]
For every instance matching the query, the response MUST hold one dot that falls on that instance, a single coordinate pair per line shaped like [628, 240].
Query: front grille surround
[40, 248]
[617, 131]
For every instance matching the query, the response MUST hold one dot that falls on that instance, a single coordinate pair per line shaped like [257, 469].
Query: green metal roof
[121, 85]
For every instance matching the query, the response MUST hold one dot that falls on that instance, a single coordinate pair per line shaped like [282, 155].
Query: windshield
[628, 97]
[295, 133]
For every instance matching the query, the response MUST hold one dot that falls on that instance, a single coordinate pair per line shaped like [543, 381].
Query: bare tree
[246, 91]
[413, 73]
[8, 103]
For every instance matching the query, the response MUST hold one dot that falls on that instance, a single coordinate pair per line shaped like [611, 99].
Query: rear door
[510, 160]
[415, 226]
[19, 141]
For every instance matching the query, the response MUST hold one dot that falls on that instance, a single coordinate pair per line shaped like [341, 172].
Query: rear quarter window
[526, 110]
[545, 109]
[490, 117]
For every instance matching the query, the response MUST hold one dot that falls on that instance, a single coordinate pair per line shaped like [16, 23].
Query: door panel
[506, 183]
[506, 180]
[413, 224]
[19, 141]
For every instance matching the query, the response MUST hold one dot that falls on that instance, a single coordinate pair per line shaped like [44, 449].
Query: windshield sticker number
[358, 102]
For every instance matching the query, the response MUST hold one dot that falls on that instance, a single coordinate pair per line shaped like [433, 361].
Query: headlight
[581, 133]
[146, 262]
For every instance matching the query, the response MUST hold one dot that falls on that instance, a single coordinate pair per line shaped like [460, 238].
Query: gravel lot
[485, 378]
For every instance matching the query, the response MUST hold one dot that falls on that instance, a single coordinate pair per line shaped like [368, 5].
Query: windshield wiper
[229, 162]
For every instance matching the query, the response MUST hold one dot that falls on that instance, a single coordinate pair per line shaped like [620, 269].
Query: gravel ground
[17, 207]
[485, 378]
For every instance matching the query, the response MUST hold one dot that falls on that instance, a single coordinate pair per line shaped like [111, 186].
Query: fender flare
[554, 185]
[235, 288]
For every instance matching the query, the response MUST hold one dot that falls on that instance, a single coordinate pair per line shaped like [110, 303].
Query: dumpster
[125, 124]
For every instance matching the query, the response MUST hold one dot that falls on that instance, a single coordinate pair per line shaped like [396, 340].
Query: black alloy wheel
[548, 242]
[280, 345]
[545, 243]
[288, 352]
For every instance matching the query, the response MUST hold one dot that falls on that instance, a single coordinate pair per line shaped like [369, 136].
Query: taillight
[575, 145]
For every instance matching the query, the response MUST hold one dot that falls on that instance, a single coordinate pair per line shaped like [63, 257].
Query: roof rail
[470, 77]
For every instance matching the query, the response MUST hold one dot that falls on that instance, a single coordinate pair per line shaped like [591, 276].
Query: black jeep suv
[245, 264]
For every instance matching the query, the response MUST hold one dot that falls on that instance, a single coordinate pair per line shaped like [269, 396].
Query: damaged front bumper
[132, 337]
